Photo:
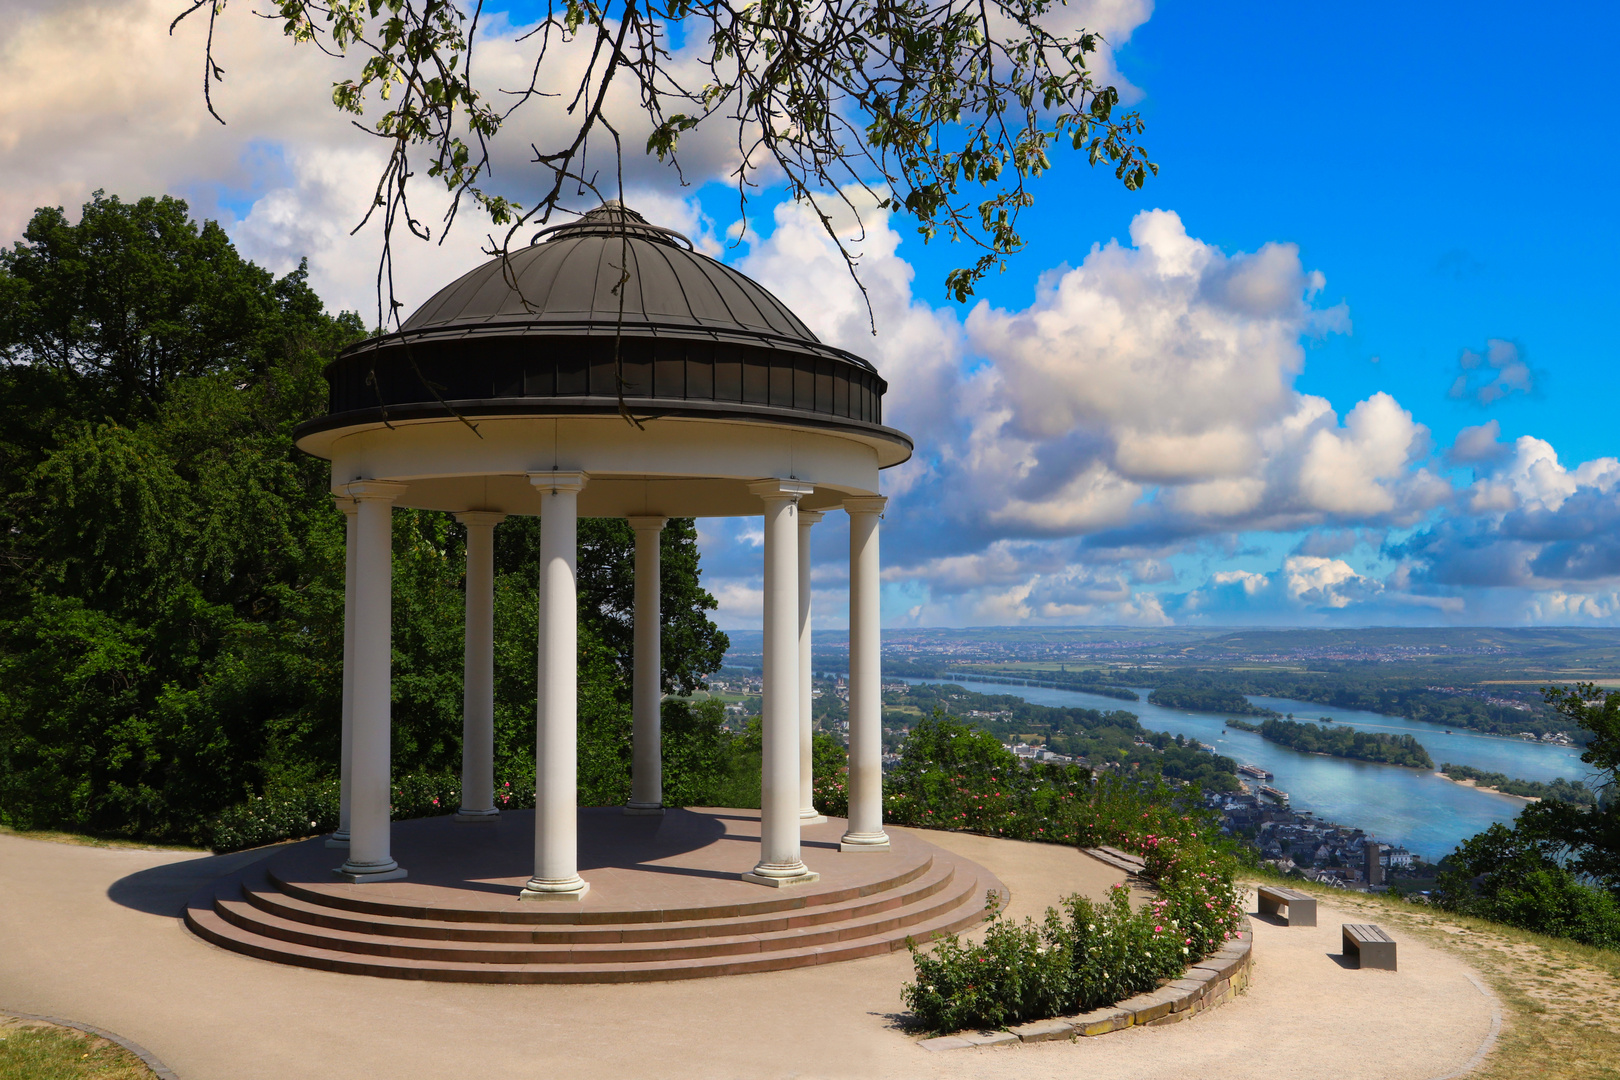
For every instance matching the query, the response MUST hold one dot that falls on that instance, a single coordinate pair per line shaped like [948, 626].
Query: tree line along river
[1414, 808]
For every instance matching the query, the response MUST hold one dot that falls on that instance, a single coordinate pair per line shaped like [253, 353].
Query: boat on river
[1254, 771]
[1279, 796]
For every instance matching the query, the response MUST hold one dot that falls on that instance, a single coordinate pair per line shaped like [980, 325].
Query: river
[1417, 809]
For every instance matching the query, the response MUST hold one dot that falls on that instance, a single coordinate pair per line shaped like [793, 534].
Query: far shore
[1494, 791]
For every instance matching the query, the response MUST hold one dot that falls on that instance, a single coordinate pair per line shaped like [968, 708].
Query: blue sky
[1342, 362]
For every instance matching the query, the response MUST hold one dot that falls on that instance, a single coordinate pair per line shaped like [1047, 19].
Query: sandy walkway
[91, 934]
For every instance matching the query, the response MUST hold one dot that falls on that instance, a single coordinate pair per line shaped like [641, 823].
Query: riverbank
[1477, 786]
[1403, 806]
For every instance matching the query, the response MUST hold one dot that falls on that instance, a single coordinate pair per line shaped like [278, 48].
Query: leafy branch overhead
[941, 110]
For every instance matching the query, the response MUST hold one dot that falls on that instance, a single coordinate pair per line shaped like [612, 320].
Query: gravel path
[92, 935]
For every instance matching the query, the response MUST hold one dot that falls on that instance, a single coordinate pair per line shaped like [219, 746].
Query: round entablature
[600, 317]
[669, 467]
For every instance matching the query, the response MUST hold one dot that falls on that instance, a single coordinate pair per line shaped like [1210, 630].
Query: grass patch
[56, 836]
[1559, 998]
[33, 1051]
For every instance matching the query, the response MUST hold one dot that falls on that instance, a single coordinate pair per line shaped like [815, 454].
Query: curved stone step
[262, 893]
[245, 916]
[789, 900]
[210, 925]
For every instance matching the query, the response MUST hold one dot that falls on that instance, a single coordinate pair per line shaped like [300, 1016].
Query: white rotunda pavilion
[508, 393]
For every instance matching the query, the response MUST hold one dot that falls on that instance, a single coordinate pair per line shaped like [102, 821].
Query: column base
[361, 875]
[338, 840]
[812, 817]
[864, 842]
[805, 877]
[573, 891]
[643, 809]
[487, 816]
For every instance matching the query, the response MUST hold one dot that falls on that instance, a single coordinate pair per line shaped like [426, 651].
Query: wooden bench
[1371, 947]
[1301, 907]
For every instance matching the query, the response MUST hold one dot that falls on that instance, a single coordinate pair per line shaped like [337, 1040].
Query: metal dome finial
[613, 218]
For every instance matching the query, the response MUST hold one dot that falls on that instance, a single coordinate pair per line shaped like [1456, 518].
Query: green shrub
[276, 816]
[1088, 955]
[291, 812]
[1018, 973]
[1119, 951]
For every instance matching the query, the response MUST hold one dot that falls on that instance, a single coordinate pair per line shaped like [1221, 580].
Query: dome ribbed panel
[570, 277]
[663, 293]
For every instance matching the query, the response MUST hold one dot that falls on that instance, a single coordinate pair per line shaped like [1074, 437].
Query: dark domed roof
[603, 306]
[572, 274]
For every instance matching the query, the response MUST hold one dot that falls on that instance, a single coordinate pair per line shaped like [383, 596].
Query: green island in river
[1207, 699]
[1345, 742]
[1570, 791]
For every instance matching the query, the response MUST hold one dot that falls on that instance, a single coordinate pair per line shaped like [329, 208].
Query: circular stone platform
[665, 903]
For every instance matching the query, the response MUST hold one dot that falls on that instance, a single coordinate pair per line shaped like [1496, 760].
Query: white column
[779, 862]
[865, 681]
[369, 767]
[340, 839]
[556, 750]
[647, 689]
[807, 801]
[478, 682]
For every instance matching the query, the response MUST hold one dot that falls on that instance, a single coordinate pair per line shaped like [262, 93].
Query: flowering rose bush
[1089, 954]
[1018, 973]
[1119, 951]
[290, 812]
[1197, 881]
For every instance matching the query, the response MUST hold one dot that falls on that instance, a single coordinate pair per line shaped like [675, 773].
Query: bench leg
[1380, 955]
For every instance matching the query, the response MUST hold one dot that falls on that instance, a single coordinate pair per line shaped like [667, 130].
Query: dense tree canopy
[171, 574]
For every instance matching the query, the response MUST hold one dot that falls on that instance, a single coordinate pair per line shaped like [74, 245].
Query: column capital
[647, 522]
[346, 504]
[481, 517]
[383, 490]
[781, 489]
[558, 481]
[808, 518]
[865, 504]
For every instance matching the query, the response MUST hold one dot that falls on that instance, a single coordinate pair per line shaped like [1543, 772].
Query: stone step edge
[207, 925]
[1119, 860]
[260, 891]
[252, 920]
[1212, 981]
[594, 917]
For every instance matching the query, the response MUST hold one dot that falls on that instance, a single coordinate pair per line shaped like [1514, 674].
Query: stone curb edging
[1133, 865]
[163, 1071]
[1212, 981]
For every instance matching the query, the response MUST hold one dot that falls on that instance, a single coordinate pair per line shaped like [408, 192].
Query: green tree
[170, 584]
[171, 578]
[1557, 870]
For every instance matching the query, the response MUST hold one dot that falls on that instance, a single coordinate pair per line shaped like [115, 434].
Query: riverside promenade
[94, 935]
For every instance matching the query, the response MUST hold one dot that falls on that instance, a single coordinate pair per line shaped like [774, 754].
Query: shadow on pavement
[163, 890]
